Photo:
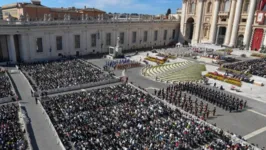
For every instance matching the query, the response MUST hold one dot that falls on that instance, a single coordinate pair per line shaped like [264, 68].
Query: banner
[260, 17]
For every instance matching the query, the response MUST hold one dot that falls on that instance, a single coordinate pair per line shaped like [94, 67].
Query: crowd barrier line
[82, 86]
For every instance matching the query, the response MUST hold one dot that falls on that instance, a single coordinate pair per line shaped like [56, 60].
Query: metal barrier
[233, 138]
[82, 86]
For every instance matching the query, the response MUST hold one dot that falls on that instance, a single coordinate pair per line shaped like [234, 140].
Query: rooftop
[35, 4]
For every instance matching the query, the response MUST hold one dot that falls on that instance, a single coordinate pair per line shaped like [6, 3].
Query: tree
[168, 12]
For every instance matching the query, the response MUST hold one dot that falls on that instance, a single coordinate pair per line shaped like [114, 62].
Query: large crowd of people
[63, 73]
[122, 117]
[174, 94]
[11, 135]
[5, 86]
[255, 67]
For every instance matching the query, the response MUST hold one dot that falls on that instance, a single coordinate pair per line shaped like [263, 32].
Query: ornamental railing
[73, 22]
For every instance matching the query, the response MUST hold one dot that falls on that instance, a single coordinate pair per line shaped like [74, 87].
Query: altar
[115, 52]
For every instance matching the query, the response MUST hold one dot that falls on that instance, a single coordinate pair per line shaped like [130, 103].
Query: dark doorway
[257, 39]
[4, 56]
[190, 29]
[240, 39]
[221, 35]
[77, 53]
[17, 46]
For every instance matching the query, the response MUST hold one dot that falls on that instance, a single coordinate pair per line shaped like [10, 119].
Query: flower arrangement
[228, 51]
[258, 55]
[127, 65]
[154, 59]
[223, 78]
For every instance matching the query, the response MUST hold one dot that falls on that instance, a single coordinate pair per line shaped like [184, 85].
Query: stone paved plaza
[250, 123]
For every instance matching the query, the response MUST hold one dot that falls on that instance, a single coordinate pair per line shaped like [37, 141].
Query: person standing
[214, 111]
[36, 100]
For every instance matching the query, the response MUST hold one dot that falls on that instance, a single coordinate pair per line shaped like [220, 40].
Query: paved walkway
[42, 136]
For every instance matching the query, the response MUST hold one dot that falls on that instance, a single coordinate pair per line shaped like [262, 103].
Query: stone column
[12, 49]
[236, 23]
[214, 21]
[217, 35]
[230, 23]
[183, 16]
[198, 23]
[247, 35]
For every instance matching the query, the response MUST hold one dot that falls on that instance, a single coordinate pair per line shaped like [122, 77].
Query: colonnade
[232, 25]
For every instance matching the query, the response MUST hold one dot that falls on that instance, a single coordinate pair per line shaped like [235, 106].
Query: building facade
[35, 11]
[25, 43]
[231, 23]
[1, 14]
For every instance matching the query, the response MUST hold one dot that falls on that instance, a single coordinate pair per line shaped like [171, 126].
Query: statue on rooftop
[86, 17]
[45, 17]
[102, 17]
[99, 17]
[21, 18]
[49, 17]
[27, 17]
[65, 17]
[82, 17]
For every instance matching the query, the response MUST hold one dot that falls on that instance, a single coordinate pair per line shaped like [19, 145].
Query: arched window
[209, 7]
[192, 7]
[227, 6]
[246, 6]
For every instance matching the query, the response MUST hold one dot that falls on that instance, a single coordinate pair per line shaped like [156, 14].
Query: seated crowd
[255, 67]
[5, 86]
[11, 135]
[64, 73]
[121, 117]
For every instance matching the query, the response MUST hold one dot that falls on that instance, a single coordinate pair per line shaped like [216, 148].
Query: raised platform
[111, 57]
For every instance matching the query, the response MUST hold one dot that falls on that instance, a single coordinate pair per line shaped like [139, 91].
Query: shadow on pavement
[27, 120]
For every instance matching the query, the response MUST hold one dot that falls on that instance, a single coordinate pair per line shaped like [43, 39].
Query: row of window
[59, 39]
[224, 6]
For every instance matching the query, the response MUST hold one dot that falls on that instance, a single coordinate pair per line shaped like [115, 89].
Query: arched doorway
[189, 29]
[257, 39]
[240, 40]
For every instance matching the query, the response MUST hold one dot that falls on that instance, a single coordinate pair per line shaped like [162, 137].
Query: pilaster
[12, 49]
